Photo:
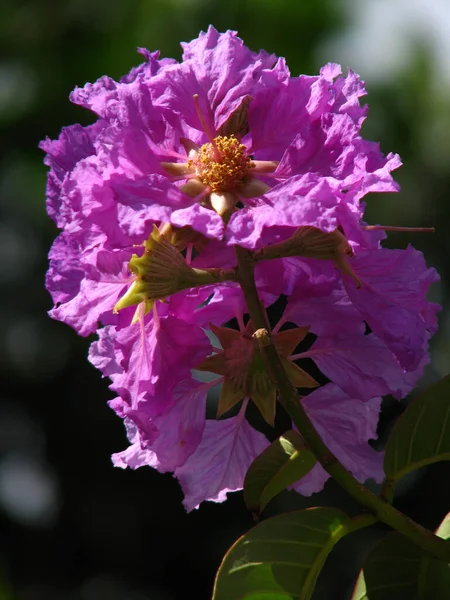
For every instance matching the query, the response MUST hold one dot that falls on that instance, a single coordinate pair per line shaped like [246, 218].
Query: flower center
[223, 165]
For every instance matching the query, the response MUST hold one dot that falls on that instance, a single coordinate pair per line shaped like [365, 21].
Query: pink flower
[182, 142]
[185, 161]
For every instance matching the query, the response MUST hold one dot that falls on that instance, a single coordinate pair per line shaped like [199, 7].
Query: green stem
[288, 395]
[387, 490]
[209, 276]
[360, 522]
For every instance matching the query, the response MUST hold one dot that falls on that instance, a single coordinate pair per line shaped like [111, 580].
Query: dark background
[72, 527]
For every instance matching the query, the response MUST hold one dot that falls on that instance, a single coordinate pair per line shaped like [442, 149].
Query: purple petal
[182, 427]
[134, 456]
[201, 219]
[300, 201]
[220, 463]
[102, 353]
[156, 356]
[345, 426]
[219, 69]
[65, 273]
[361, 365]
[392, 299]
[74, 144]
[321, 302]
[105, 280]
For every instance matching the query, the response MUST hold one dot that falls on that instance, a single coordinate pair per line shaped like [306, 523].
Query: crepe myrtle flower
[185, 161]
[224, 145]
[225, 141]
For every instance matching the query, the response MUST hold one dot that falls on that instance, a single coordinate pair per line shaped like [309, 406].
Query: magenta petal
[182, 427]
[156, 357]
[74, 144]
[201, 219]
[186, 304]
[65, 273]
[134, 456]
[300, 201]
[102, 353]
[361, 365]
[149, 68]
[105, 279]
[345, 426]
[392, 299]
[142, 202]
[321, 302]
[225, 303]
[96, 96]
[217, 67]
[278, 111]
[220, 463]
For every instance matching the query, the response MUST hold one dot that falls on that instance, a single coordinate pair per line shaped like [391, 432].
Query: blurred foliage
[72, 526]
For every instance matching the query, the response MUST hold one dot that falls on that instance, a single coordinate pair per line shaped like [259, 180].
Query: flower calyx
[312, 242]
[162, 271]
[220, 172]
[222, 165]
[182, 237]
[242, 365]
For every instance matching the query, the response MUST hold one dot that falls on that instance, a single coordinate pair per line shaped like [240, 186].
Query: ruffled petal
[74, 144]
[220, 463]
[181, 429]
[299, 201]
[345, 425]
[361, 365]
[155, 357]
[105, 278]
[320, 301]
[392, 299]
[65, 273]
[219, 69]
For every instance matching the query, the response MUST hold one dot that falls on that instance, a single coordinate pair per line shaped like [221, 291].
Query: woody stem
[291, 401]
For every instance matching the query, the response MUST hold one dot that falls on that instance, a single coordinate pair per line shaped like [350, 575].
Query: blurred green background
[73, 527]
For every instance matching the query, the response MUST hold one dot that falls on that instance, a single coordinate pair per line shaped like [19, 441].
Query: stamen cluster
[221, 165]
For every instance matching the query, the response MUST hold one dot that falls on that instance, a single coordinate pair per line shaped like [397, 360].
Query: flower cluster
[185, 161]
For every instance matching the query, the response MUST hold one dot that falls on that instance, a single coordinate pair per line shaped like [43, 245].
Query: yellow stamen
[227, 172]
[205, 127]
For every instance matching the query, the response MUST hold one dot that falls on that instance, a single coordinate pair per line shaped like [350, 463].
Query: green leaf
[421, 436]
[280, 558]
[397, 569]
[284, 462]
[443, 531]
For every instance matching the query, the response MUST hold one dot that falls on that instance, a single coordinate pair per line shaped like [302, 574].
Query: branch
[291, 401]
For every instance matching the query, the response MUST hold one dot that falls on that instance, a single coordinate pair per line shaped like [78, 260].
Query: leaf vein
[282, 541]
[384, 586]
[416, 424]
[283, 563]
[444, 427]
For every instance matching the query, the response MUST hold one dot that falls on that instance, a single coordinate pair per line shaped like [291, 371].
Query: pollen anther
[226, 174]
